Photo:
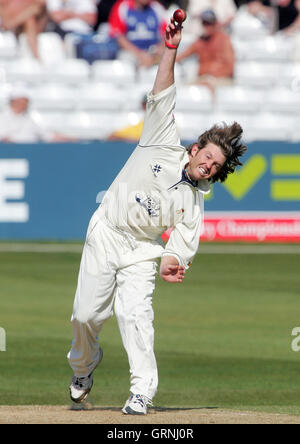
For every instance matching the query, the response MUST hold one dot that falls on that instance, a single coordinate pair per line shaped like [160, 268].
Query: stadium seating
[94, 125]
[25, 70]
[53, 121]
[118, 72]
[296, 48]
[282, 100]
[239, 99]
[69, 71]
[84, 125]
[247, 27]
[295, 136]
[243, 118]
[135, 95]
[146, 76]
[8, 46]
[50, 46]
[269, 126]
[5, 89]
[255, 74]
[92, 100]
[190, 67]
[193, 98]
[101, 96]
[266, 49]
[53, 97]
[290, 76]
[191, 124]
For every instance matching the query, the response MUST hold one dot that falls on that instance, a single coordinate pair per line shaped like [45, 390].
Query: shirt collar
[185, 178]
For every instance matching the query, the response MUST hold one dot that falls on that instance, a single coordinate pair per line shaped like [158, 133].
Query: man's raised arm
[165, 74]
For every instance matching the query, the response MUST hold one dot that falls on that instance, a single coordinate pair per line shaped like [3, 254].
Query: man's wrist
[170, 46]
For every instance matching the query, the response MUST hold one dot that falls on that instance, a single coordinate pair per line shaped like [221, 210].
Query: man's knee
[140, 314]
[90, 318]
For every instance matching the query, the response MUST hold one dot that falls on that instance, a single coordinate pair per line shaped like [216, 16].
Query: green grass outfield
[223, 337]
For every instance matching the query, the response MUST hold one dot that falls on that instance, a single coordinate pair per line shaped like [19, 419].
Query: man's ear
[194, 150]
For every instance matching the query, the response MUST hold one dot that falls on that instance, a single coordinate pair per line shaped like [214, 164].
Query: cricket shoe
[136, 405]
[81, 386]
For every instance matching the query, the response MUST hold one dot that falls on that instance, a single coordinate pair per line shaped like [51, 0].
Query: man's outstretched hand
[171, 271]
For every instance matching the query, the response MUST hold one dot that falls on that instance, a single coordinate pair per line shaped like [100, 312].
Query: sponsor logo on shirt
[151, 206]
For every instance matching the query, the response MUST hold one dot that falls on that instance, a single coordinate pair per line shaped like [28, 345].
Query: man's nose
[209, 164]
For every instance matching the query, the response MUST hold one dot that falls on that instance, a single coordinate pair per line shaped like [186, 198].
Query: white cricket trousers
[107, 279]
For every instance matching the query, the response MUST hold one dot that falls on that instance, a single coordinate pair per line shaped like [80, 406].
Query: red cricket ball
[179, 16]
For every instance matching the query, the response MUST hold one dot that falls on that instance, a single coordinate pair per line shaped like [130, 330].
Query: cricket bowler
[162, 185]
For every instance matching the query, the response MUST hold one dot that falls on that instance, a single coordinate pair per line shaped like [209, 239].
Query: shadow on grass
[88, 405]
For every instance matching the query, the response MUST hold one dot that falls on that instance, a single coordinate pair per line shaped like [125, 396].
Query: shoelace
[81, 383]
[142, 400]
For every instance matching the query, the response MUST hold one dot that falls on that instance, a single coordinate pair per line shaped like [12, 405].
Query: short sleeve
[117, 19]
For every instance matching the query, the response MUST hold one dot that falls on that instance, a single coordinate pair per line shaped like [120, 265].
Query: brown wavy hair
[228, 138]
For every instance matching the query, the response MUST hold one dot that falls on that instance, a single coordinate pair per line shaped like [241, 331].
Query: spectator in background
[286, 12]
[295, 26]
[24, 16]
[104, 7]
[17, 124]
[131, 133]
[215, 53]
[139, 26]
[240, 3]
[178, 3]
[68, 16]
[225, 11]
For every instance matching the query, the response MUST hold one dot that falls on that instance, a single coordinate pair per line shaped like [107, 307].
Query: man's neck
[188, 177]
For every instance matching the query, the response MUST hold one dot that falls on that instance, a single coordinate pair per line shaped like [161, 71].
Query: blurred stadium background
[232, 346]
[58, 185]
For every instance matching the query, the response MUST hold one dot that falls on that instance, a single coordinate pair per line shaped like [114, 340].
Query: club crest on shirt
[151, 206]
[156, 169]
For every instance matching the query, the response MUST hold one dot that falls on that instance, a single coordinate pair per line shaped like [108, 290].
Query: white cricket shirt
[151, 193]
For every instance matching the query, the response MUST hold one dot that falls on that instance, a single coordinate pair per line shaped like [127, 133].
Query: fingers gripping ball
[179, 16]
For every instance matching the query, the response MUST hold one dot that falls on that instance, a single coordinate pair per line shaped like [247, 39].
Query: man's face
[205, 163]
[19, 105]
[209, 29]
[143, 3]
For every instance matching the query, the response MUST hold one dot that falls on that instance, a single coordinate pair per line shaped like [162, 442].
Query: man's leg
[93, 305]
[133, 308]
